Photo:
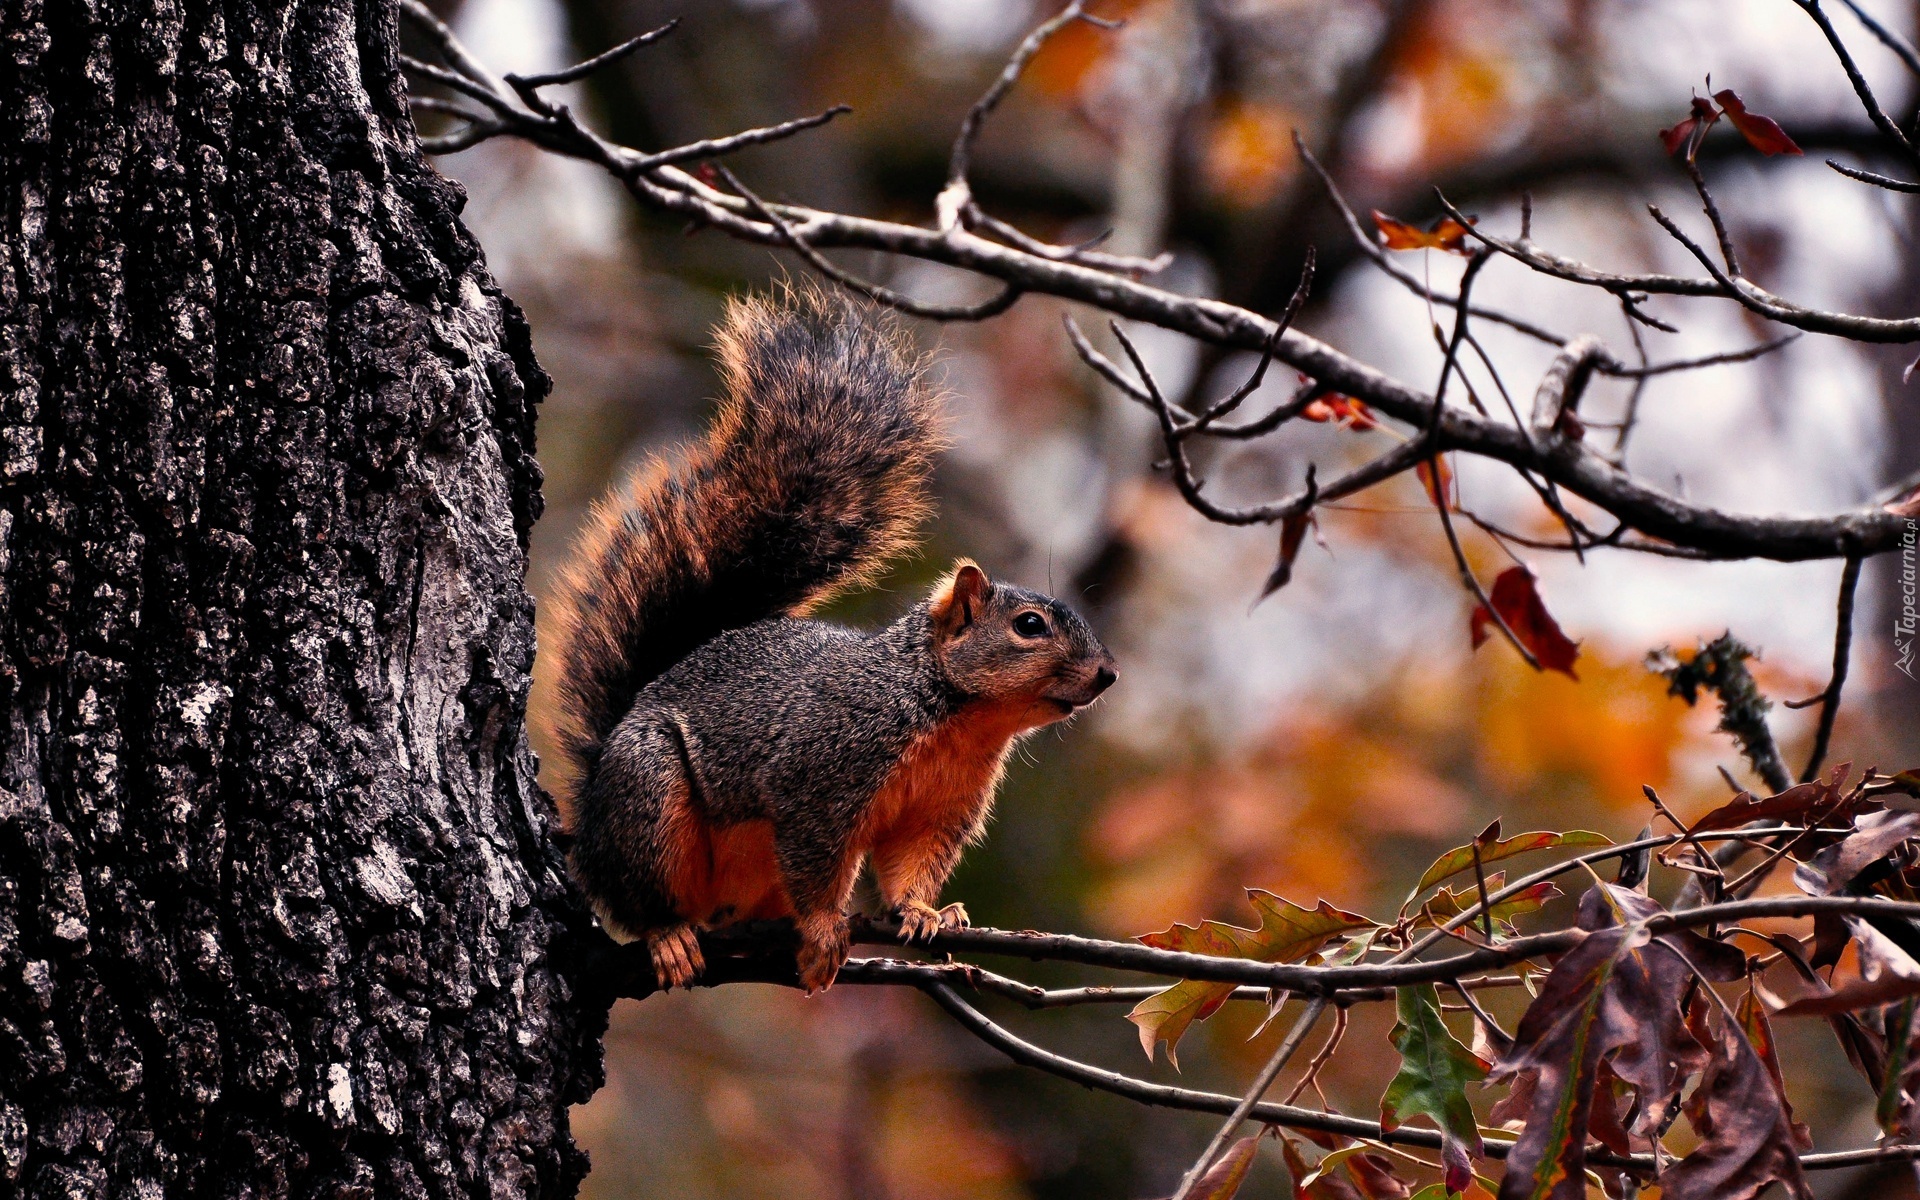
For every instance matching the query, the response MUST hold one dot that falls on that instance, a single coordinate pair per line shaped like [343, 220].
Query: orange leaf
[1286, 933]
[1439, 491]
[1762, 133]
[1341, 410]
[1518, 602]
[1447, 234]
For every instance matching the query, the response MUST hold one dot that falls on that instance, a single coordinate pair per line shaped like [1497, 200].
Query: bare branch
[716, 147]
[976, 218]
[957, 196]
[1383, 259]
[1607, 366]
[1842, 648]
[1744, 291]
[1563, 385]
[527, 84]
[1687, 526]
[1712, 210]
[1881, 181]
[1881, 120]
[1888, 38]
[873, 291]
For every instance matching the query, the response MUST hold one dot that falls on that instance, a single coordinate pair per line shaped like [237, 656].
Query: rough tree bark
[279, 906]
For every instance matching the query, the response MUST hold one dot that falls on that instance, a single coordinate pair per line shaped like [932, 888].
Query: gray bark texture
[280, 912]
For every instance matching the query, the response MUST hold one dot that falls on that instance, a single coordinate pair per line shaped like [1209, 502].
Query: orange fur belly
[742, 879]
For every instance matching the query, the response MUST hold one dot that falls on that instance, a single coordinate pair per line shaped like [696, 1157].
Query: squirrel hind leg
[677, 960]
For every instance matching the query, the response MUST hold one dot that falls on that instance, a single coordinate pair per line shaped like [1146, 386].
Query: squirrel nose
[1103, 679]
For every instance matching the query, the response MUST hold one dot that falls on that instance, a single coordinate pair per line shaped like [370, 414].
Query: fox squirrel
[737, 760]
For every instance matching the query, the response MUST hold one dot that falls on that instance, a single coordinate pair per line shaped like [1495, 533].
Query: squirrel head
[998, 642]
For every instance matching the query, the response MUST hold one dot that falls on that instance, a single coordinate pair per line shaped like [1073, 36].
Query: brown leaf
[1518, 602]
[1865, 1048]
[1448, 903]
[1223, 1178]
[1806, 802]
[1377, 1179]
[1752, 1016]
[1747, 1141]
[1616, 996]
[1762, 133]
[1309, 1183]
[1876, 837]
[1887, 974]
[1293, 531]
[1493, 848]
[1447, 234]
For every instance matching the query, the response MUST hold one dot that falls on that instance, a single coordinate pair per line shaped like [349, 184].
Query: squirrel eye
[1029, 624]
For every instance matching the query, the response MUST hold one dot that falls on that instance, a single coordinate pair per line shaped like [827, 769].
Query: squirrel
[736, 759]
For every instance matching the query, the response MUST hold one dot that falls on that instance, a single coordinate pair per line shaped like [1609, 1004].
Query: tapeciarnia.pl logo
[1906, 621]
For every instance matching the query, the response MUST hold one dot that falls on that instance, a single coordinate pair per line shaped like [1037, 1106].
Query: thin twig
[1381, 257]
[873, 291]
[1861, 89]
[1880, 181]
[1842, 649]
[580, 70]
[1255, 1094]
[1648, 370]
[1888, 38]
[1322, 1056]
[1713, 216]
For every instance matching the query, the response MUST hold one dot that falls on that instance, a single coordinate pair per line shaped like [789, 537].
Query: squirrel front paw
[824, 945]
[677, 960]
[919, 922]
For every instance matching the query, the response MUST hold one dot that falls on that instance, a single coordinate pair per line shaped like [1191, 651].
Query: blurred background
[1328, 741]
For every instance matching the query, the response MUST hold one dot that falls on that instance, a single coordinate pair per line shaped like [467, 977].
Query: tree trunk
[278, 899]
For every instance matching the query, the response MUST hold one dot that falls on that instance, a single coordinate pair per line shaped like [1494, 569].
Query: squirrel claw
[677, 960]
[824, 947]
[920, 922]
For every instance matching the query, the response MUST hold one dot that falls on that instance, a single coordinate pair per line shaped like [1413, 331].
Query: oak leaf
[1746, 1134]
[1435, 1069]
[1286, 933]
[1493, 848]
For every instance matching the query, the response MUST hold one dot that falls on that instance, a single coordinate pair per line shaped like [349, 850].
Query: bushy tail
[813, 475]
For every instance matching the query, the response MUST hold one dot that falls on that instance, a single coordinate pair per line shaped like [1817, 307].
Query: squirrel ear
[957, 598]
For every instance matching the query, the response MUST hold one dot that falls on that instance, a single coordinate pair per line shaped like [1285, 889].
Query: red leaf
[1447, 234]
[1341, 410]
[1518, 602]
[1677, 136]
[1762, 133]
[1690, 131]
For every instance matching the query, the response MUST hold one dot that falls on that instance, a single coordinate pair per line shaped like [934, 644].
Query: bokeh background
[1328, 741]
